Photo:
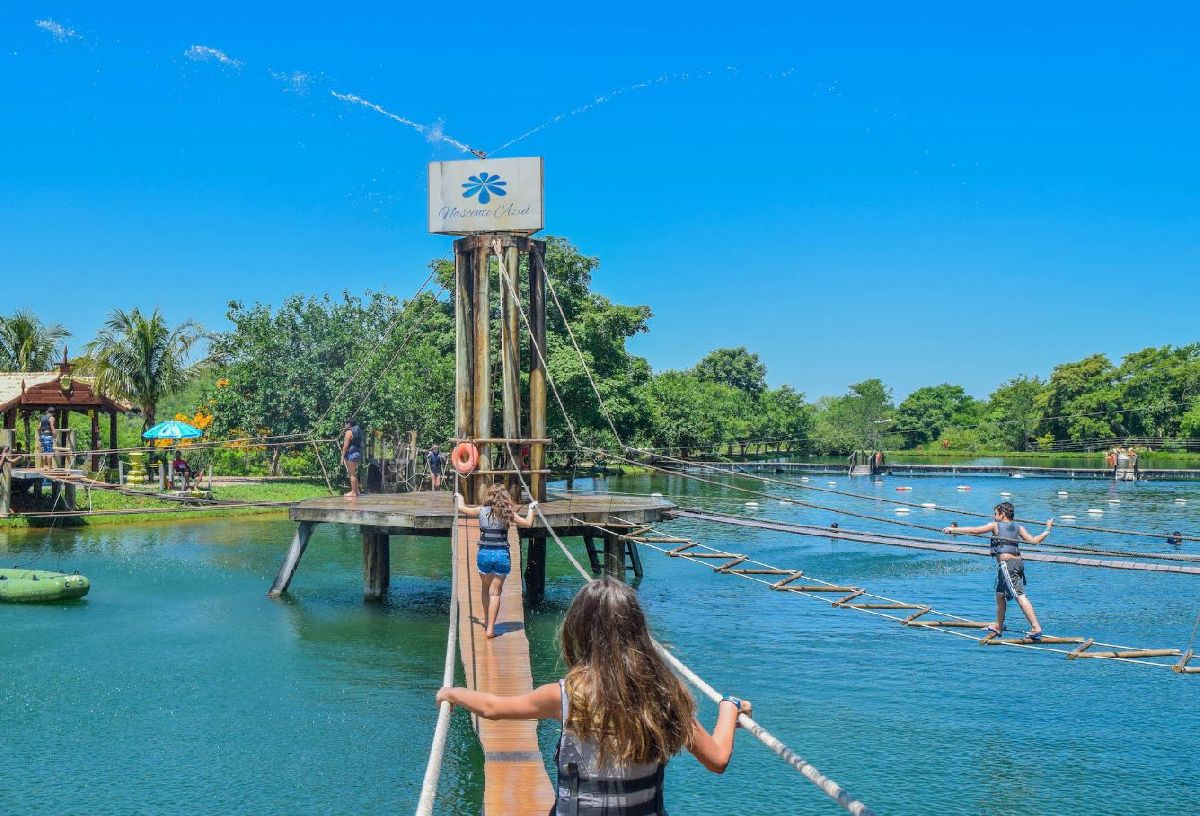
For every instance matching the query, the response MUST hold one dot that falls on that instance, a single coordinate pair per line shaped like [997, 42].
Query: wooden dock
[515, 780]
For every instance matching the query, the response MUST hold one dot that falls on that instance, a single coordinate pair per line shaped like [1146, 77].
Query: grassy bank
[159, 511]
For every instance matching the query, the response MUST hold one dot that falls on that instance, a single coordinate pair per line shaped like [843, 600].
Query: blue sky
[923, 192]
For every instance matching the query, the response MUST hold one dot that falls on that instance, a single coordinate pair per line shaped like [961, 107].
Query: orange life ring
[464, 457]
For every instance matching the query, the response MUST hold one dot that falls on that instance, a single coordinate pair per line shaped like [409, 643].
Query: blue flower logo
[485, 186]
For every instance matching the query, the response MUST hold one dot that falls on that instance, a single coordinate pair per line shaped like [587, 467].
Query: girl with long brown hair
[495, 515]
[624, 713]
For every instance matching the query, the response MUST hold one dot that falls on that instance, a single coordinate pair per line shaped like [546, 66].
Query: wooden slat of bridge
[515, 780]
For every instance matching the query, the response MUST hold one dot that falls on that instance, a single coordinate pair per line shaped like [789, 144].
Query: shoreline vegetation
[297, 368]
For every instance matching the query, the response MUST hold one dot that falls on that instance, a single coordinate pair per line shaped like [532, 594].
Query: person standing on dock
[46, 439]
[495, 515]
[1010, 571]
[436, 463]
[624, 713]
[352, 453]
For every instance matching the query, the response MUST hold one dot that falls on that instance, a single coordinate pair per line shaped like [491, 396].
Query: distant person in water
[436, 463]
[1010, 569]
[624, 713]
[1175, 538]
[493, 561]
[352, 453]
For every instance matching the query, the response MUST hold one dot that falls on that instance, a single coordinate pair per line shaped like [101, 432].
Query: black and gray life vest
[586, 788]
[1007, 538]
[492, 531]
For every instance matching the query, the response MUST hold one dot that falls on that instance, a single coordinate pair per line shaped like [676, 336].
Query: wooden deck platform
[515, 780]
[430, 513]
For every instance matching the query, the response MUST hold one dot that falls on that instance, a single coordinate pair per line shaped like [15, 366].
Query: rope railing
[827, 786]
[437, 752]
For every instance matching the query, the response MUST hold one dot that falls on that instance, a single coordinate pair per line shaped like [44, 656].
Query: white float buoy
[1066, 518]
[1005, 494]
[804, 478]
[656, 495]
[929, 505]
[1063, 493]
[902, 510]
[832, 484]
[879, 481]
[1181, 501]
[1114, 501]
[1093, 511]
[963, 488]
[752, 504]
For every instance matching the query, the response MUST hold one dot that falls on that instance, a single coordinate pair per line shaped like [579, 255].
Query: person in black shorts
[352, 453]
[436, 463]
[1010, 568]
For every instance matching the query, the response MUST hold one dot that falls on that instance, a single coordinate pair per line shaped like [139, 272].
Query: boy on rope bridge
[1010, 570]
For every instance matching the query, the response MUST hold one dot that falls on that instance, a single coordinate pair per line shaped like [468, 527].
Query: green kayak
[34, 586]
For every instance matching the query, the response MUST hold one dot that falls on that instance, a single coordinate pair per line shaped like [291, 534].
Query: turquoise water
[178, 687]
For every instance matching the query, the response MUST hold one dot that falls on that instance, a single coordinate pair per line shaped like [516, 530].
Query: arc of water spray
[433, 133]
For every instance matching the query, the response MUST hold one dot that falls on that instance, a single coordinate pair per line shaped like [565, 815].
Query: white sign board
[485, 195]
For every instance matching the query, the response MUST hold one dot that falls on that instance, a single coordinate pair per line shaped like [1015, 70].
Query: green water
[177, 687]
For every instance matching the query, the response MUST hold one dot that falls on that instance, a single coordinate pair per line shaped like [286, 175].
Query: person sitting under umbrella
[182, 469]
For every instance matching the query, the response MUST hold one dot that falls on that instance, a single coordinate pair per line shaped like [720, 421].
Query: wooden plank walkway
[515, 780]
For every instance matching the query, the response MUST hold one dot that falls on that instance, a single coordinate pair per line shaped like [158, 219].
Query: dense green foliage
[304, 365]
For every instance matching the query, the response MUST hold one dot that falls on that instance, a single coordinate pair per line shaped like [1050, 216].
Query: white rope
[433, 769]
[829, 787]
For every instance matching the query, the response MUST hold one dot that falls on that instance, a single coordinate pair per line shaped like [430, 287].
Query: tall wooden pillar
[377, 567]
[112, 439]
[535, 569]
[614, 556]
[537, 371]
[7, 438]
[29, 441]
[481, 369]
[464, 350]
[94, 416]
[510, 359]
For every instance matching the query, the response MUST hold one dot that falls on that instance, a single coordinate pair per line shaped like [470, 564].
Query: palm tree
[139, 358]
[28, 344]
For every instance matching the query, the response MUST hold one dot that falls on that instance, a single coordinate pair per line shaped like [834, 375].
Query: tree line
[304, 365]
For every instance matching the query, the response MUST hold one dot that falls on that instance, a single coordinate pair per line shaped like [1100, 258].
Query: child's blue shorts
[493, 561]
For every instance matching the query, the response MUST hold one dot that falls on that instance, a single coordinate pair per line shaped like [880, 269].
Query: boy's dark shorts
[1010, 578]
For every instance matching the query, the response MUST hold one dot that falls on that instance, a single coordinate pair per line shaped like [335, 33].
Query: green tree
[28, 344]
[1081, 400]
[735, 367]
[927, 412]
[784, 414]
[1154, 387]
[858, 419]
[1013, 414]
[689, 413]
[139, 358]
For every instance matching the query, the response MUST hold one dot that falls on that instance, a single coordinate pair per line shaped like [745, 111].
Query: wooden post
[537, 371]
[376, 564]
[113, 458]
[535, 570]
[410, 477]
[464, 345]
[35, 455]
[510, 359]
[7, 439]
[295, 552]
[481, 373]
[94, 417]
[614, 556]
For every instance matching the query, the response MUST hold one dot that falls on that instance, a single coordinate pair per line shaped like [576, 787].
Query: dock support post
[7, 438]
[614, 556]
[377, 571]
[535, 570]
[292, 560]
[464, 344]
[635, 558]
[589, 543]
[69, 497]
[510, 361]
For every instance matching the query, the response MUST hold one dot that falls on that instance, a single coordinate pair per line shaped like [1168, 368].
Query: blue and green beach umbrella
[172, 429]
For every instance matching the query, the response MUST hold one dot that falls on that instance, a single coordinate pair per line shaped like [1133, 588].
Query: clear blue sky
[997, 187]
